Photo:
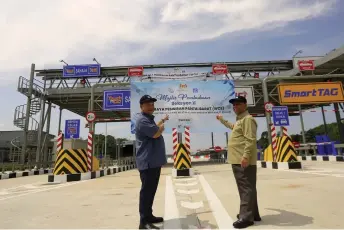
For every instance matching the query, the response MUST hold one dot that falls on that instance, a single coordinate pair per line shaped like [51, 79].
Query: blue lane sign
[91, 70]
[116, 100]
[280, 115]
[72, 129]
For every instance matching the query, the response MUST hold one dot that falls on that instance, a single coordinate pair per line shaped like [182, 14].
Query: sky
[140, 32]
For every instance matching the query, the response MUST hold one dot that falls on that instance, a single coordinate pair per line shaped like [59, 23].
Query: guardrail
[305, 149]
[15, 166]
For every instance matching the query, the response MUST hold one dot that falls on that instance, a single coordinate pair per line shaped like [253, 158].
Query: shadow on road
[285, 218]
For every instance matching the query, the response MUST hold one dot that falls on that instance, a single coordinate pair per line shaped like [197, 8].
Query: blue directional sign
[116, 100]
[72, 129]
[280, 115]
[91, 70]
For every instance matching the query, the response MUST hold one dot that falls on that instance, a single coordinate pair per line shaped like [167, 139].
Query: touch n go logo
[310, 93]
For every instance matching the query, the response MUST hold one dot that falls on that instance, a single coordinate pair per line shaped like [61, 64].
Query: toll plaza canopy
[73, 93]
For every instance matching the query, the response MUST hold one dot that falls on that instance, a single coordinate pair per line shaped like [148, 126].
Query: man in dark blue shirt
[150, 157]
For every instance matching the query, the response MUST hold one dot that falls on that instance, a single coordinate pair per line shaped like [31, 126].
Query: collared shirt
[150, 152]
[243, 139]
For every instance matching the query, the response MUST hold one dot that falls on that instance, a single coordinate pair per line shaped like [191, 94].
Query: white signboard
[247, 92]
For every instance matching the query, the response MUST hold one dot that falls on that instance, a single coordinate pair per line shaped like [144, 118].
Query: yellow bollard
[182, 162]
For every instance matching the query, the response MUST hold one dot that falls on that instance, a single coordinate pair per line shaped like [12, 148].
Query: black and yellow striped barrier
[182, 160]
[285, 151]
[73, 161]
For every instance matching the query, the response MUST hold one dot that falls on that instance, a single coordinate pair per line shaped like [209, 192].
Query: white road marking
[187, 184]
[191, 205]
[312, 173]
[171, 217]
[20, 186]
[41, 190]
[188, 192]
[186, 179]
[224, 221]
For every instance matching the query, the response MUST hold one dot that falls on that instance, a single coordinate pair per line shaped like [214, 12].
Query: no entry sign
[306, 65]
[220, 69]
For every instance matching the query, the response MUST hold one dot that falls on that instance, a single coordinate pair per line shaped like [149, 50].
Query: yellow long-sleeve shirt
[243, 139]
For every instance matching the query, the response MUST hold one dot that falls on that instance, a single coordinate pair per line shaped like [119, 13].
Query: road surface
[310, 198]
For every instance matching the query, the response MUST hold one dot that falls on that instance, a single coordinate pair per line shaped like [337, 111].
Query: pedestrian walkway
[307, 199]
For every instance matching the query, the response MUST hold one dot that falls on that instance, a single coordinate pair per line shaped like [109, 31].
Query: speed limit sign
[268, 106]
[90, 116]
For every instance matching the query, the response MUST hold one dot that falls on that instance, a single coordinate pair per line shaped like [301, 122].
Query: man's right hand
[219, 116]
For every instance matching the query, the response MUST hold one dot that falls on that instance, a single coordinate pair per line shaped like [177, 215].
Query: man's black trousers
[150, 180]
[246, 179]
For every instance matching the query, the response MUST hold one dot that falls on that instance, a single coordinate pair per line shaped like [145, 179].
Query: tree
[332, 132]
[263, 142]
[111, 144]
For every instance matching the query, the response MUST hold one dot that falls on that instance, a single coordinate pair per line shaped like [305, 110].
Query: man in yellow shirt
[242, 154]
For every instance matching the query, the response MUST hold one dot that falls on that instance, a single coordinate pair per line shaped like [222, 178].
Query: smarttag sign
[116, 100]
[72, 129]
[91, 70]
[280, 115]
[310, 93]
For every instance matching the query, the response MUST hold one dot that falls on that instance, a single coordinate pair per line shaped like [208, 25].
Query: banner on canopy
[188, 103]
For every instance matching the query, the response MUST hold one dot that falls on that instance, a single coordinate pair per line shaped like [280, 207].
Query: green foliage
[332, 132]
[111, 143]
[332, 129]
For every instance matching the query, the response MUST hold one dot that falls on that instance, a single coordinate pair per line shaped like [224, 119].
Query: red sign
[90, 116]
[217, 149]
[135, 71]
[268, 107]
[306, 65]
[220, 69]
[296, 144]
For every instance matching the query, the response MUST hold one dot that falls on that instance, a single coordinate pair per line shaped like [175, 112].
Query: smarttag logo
[311, 93]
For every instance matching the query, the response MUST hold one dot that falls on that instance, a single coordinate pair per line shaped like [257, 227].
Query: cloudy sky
[133, 32]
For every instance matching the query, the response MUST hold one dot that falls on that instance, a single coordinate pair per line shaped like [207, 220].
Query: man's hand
[165, 118]
[244, 162]
[162, 128]
[219, 116]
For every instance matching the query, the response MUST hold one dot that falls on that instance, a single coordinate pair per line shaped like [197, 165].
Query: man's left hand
[244, 162]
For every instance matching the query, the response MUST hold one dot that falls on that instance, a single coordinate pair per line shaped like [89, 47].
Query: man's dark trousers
[150, 180]
[246, 180]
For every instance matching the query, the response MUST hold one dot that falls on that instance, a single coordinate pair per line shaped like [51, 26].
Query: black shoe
[257, 218]
[242, 223]
[148, 226]
[154, 219]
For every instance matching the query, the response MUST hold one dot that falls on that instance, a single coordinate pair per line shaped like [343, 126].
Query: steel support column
[212, 139]
[302, 125]
[324, 119]
[339, 123]
[267, 115]
[27, 114]
[60, 117]
[41, 125]
[45, 151]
